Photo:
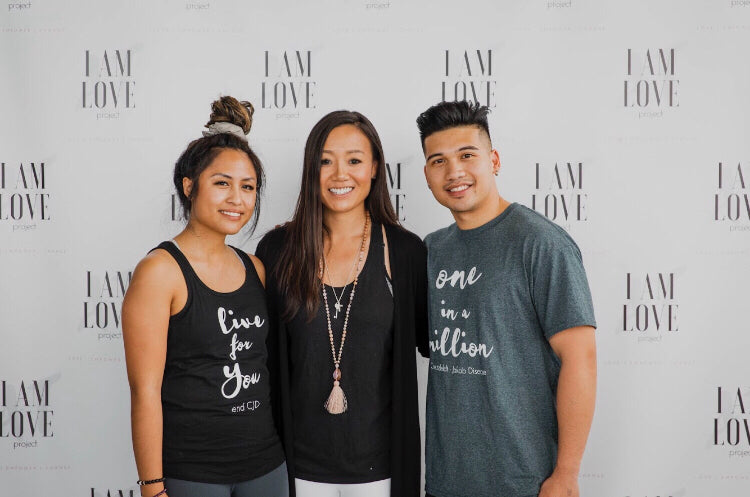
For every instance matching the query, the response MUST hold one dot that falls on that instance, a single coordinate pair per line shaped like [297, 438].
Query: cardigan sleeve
[265, 253]
[411, 253]
[419, 265]
[268, 251]
[268, 248]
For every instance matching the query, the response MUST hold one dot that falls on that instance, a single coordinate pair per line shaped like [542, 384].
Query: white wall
[557, 74]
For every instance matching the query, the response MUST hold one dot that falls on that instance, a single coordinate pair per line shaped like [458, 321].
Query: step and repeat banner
[626, 122]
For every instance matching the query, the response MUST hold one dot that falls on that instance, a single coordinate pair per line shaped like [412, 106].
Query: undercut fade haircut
[447, 115]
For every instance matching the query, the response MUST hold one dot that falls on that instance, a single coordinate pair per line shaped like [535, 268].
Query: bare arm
[145, 319]
[576, 393]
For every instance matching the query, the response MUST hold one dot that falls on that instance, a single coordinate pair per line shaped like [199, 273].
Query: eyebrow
[467, 147]
[224, 175]
[348, 151]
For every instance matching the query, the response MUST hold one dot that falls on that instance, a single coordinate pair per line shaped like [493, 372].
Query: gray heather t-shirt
[497, 293]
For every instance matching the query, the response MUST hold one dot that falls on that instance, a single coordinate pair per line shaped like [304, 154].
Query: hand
[560, 484]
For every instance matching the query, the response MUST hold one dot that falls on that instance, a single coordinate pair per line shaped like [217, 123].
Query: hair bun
[230, 110]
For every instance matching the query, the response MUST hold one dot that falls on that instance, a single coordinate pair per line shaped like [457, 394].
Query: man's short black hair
[450, 115]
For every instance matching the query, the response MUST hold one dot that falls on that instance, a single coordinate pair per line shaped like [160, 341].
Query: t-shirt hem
[195, 475]
[567, 326]
[440, 493]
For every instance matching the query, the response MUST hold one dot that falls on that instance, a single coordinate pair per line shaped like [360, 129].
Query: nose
[340, 171]
[454, 170]
[235, 194]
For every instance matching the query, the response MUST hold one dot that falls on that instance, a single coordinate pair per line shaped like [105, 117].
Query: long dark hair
[201, 152]
[297, 269]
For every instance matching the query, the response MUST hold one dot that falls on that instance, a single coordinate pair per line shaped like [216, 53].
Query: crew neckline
[472, 232]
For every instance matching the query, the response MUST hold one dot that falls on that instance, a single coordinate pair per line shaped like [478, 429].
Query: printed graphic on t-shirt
[236, 379]
[453, 334]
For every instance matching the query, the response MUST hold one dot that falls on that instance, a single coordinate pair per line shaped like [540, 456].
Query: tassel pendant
[336, 403]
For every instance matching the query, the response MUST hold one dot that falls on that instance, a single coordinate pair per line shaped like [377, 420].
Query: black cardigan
[408, 262]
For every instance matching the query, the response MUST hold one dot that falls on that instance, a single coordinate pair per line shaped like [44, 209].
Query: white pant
[381, 488]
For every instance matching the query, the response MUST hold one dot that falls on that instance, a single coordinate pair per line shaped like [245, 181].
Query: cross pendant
[338, 309]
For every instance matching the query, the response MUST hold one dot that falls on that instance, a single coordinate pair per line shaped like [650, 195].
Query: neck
[199, 240]
[344, 224]
[478, 217]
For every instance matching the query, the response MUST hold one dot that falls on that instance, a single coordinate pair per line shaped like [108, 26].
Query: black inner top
[352, 447]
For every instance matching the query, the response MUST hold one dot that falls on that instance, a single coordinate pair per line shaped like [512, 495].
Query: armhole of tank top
[247, 262]
[179, 314]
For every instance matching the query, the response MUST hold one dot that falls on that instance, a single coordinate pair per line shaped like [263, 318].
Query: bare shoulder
[147, 304]
[157, 272]
[158, 263]
[259, 268]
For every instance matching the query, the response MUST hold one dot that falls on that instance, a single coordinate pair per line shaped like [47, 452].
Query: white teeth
[233, 214]
[459, 188]
[340, 191]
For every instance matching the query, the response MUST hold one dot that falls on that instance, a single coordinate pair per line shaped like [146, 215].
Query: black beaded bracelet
[149, 482]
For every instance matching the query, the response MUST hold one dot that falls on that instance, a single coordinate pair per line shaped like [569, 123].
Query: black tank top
[218, 426]
[353, 447]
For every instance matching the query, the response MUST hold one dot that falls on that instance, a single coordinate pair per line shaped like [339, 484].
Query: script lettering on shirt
[452, 342]
[449, 344]
[235, 379]
[246, 323]
[240, 381]
[460, 278]
[238, 346]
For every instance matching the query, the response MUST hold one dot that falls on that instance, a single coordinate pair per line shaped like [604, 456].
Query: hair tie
[224, 127]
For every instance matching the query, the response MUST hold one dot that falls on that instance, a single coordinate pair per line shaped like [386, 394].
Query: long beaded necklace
[338, 298]
[336, 403]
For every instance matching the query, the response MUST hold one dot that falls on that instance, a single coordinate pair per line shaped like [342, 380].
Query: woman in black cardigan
[347, 291]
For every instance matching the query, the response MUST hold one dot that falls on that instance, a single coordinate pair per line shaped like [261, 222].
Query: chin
[229, 230]
[458, 206]
[341, 207]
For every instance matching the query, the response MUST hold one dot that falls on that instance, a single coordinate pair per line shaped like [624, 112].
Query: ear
[374, 171]
[427, 180]
[495, 159]
[187, 186]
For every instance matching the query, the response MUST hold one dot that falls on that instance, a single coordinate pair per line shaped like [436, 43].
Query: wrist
[152, 489]
[568, 470]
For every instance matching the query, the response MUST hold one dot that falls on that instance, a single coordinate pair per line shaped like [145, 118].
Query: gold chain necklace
[336, 403]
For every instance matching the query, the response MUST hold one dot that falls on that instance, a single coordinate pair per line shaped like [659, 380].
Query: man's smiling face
[460, 168]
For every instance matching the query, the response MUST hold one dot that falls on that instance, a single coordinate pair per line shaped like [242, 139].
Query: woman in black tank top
[195, 325]
[347, 289]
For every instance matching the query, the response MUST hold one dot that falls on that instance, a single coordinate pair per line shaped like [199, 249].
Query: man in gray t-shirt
[512, 377]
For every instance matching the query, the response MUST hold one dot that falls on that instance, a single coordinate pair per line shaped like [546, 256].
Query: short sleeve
[560, 289]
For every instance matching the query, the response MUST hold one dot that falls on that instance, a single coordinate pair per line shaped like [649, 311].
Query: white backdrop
[624, 121]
